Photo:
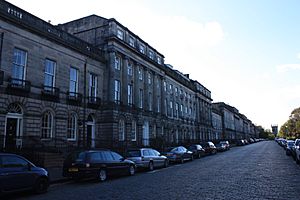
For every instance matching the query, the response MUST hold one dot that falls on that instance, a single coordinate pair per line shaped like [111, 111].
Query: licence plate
[73, 169]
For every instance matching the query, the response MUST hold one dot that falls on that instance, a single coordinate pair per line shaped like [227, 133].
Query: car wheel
[150, 166]
[102, 175]
[166, 163]
[131, 170]
[192, 158]
[41, 185]
[181, 160]
[297, 160]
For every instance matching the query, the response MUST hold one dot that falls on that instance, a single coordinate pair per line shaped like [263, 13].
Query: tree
[291, 128]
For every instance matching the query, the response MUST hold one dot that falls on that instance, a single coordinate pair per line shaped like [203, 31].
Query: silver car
[147, 158]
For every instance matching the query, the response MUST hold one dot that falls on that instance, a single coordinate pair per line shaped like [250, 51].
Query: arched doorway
[13, 127]
[91, 131]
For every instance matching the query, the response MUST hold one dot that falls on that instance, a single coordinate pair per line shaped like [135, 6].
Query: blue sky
[247, 52]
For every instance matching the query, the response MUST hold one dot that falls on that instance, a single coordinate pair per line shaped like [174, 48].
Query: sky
[246, 52]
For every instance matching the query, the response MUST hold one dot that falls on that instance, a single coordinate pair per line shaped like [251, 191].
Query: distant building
[274, 129]
[234, 124]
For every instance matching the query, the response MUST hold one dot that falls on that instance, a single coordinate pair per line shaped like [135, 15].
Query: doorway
[91, 132]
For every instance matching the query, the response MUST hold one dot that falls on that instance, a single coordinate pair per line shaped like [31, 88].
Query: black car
[18, 174]
[209, 148]
[97, 164]
[197, 150]
[221, 147]
[147, 158]
[179, 154]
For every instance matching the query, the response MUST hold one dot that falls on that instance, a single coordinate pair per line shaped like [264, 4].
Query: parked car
[226, 144]
[297, 149]
[293, 149]
[147, 158]
[209, 148]
[18, 174]
[99, 164]
[197, 150]
[289, 145]
[221, 147]
[179, 154]
[240, 143]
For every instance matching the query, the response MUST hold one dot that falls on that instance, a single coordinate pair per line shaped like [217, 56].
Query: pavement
[55, 174]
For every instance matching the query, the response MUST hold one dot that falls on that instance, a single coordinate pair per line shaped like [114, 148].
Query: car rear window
[133, 153]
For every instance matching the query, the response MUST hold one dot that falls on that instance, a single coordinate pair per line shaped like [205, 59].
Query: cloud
[287, 67]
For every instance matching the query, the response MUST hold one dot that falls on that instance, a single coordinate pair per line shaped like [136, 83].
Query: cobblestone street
[256, 171]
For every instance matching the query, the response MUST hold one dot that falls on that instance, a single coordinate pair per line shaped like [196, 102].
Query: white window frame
[158, 60]
[129, 68]
[47, 125]
[72, 127]
[52, 63]
[130, 94]
[141, 98]
[131, 41]
[73, 81]
[93, 85]
[117, 62]
[19, 55]
[149, 78]
[117, 93]
[120, 33]
[142, 48]
[151, 55]
[140, 71]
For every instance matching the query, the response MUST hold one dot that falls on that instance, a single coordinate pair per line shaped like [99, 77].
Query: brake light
[87, 165]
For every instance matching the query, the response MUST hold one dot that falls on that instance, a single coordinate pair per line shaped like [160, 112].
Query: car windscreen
[133, 153]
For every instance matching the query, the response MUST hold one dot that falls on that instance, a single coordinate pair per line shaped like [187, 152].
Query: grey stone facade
[109, 88]
[234, 124]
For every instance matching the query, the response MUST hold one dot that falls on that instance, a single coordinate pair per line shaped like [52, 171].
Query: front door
[11, 133]
[146, 133]
[91, 135]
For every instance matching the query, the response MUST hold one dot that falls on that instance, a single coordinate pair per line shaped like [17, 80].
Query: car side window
[156, 153]
[116, 156]
[146, 153]
[96, 156]
[152, 153]
[13, 161]
[107, 156]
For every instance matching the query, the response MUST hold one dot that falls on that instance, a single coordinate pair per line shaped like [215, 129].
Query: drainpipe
[1, 46]
[85, 138]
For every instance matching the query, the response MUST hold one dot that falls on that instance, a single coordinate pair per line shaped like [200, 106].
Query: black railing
[93, 102]
[18, 84]
[50, 92]
[74, 97]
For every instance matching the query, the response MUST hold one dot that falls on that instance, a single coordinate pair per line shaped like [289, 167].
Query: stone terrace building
[51, 85]
[234, 124]
[91, 83]
[148, 103]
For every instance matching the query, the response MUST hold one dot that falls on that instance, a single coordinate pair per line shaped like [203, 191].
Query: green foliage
[291, 128]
